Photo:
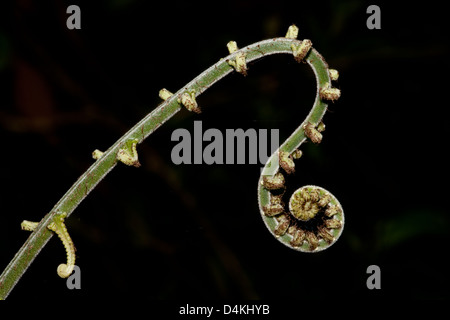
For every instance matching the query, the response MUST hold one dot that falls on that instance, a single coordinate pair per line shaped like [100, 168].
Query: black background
[194, 232]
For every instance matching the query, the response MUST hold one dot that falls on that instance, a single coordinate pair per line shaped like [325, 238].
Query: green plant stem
[101, 167]
[321, 72]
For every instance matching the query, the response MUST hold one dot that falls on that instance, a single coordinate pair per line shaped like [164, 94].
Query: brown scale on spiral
[314, 219]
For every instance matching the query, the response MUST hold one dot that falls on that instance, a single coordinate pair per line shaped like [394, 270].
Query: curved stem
[102, 166]
[323, 79]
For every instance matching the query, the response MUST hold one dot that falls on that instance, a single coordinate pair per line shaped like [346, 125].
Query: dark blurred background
[194, 232]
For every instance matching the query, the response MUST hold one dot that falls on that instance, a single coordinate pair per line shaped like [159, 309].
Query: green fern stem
[279, 219]
[167, 109]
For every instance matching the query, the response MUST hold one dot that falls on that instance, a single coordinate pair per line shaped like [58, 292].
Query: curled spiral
[313, 220]
[64, 270]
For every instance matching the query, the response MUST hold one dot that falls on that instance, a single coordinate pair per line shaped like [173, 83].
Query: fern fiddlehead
[314, 219]
[292, 227]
